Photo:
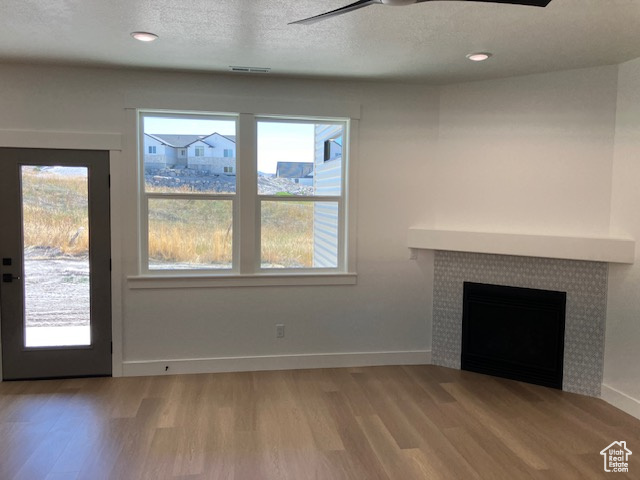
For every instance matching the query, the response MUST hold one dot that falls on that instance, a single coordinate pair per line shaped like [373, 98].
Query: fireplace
[513, 332]
[585, 284]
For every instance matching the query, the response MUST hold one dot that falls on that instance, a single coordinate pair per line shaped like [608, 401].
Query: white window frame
[152, 150]
[145, 196]
[339, 199]
[198, 150]
[246, 264]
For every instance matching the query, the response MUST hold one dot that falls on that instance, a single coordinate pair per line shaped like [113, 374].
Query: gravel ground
[202, 181]
[56, 291]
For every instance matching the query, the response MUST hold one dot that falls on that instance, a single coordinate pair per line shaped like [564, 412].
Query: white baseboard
[621, 400]
[274, 362]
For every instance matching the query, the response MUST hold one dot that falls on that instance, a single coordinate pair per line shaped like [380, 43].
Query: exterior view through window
[56, 256]
[194, 190]
[189, 198]
[299, 227]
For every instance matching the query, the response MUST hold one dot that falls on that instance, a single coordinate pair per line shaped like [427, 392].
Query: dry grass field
[180, 231]
[200, 231]
[55, 212]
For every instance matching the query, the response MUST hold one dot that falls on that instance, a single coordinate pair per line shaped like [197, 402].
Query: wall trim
[621, 400]
[274, 362]
[60, 140]
[239, 280]
[259, 105]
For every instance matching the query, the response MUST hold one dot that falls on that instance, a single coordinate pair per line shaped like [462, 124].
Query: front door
[55, 286]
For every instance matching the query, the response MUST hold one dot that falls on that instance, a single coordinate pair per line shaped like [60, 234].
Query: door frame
[111, 142]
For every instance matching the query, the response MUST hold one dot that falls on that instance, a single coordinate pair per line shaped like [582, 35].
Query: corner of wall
[621, 400]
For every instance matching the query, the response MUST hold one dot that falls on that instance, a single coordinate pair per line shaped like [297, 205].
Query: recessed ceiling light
[479, 56]
[144, 36]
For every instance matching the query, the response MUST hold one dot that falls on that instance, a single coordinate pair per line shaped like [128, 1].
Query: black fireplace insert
[513, 332]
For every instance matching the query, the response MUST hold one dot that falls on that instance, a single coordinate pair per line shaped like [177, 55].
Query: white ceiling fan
[365, 3]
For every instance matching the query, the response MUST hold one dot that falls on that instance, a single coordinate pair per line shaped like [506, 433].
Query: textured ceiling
[425, 42]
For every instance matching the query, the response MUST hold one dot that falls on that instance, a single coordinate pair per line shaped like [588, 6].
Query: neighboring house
[297, 172]
[214, 153]
[332, 147]
[158, 152]
[327, 180]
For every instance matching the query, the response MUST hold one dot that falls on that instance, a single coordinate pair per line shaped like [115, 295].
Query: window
[302, 209]
[332, 148]
[152, 149]
[188, 209]
[290, 203]
[183, 152]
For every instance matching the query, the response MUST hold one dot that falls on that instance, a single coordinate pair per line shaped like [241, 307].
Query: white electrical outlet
[279, 330]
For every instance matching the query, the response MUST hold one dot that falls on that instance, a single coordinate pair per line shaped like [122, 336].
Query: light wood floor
[421, 422]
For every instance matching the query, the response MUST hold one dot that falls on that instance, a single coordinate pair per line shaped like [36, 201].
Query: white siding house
[158, 153]
[214, 153]
[327, 180]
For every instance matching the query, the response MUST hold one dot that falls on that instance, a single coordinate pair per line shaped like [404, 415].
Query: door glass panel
[56, 256]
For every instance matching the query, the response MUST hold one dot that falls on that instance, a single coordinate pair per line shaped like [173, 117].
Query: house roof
[231, 138]
[183, 141]
[294, 169]
[174, 140]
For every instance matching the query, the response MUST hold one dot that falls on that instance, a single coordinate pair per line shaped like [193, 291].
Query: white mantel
[595, 249]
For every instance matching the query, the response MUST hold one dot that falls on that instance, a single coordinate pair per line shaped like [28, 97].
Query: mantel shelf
[606, 249]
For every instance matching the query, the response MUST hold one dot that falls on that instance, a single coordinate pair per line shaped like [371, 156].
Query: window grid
[247, 204]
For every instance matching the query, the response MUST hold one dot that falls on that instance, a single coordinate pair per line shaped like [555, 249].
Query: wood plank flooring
[417, 422]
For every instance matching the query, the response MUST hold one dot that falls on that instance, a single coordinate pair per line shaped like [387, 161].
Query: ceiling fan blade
[532, 3]
[337, 11]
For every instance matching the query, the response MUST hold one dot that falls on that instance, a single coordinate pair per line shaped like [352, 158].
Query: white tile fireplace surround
[584, 281]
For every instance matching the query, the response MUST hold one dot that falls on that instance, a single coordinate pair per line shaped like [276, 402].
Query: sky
[277, 141]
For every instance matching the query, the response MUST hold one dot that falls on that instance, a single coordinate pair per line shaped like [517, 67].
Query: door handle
[8, 278]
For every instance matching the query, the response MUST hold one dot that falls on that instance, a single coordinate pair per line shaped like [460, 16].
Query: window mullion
[247, 191]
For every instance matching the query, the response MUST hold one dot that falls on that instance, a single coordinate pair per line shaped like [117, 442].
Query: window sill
[139, 282]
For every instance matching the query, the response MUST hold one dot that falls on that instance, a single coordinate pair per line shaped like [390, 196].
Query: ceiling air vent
[250, 69]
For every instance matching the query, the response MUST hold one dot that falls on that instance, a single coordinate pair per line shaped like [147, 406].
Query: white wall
[388, 310]
[527, 154]
[622, 354]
